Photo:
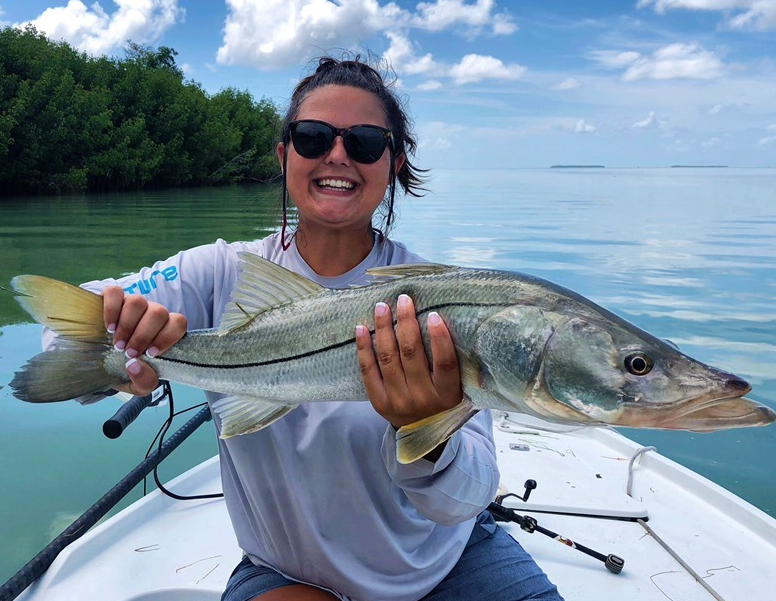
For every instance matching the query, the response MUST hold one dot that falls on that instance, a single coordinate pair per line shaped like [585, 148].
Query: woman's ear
[398, 163]
[281, 150]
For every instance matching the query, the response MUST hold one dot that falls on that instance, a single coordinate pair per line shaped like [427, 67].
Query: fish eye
[639, 364]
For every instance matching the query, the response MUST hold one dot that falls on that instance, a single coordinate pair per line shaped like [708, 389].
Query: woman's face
[334, 191]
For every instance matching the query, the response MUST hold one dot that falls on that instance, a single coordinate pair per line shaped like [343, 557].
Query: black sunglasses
[363, 143]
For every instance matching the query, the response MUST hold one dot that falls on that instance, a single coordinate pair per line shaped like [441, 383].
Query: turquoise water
[688, 254]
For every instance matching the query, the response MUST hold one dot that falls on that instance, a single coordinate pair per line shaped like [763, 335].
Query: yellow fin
[262, 285]
[72, 312]
[415, 440]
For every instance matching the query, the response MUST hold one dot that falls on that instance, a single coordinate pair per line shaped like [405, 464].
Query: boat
[633, 525]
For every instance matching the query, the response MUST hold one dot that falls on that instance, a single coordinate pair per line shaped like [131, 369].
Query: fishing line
[159, 440]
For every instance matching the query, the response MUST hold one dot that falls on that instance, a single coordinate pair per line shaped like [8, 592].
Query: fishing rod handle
[128, 412]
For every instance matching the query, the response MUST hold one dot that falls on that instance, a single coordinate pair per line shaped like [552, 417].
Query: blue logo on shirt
[145, 286]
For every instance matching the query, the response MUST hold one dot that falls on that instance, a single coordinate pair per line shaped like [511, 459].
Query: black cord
[159, 440]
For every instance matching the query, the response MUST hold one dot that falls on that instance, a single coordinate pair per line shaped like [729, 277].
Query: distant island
[698, 166]
[576, 166]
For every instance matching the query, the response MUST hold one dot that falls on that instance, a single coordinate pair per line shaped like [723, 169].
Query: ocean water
[687, 254]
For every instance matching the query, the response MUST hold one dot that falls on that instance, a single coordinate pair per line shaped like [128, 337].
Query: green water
[687, 254]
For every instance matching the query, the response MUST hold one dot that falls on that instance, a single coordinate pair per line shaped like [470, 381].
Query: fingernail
[152, 352]
[360, 331]
[381, 309]
[119, 346]
[112, 328]
[133, 366]
[434, 319]
[131, 353]
[403, 300]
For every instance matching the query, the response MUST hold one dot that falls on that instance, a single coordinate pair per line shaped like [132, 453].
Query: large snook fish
[523, 344]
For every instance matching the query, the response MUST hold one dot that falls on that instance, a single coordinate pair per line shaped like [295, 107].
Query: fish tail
[64, 373]
[76, 367]
[72, 312]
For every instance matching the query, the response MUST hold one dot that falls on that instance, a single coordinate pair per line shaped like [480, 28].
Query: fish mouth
[720, 410]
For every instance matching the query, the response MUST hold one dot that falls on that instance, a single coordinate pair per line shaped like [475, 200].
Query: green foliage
[71, 122]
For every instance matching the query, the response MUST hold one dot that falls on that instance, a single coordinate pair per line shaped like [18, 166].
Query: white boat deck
[166, 550]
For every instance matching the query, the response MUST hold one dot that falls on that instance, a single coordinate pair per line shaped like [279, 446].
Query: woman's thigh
[494, 567]
[250, 582]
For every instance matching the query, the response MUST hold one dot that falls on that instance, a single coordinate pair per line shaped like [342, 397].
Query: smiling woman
[320, 503]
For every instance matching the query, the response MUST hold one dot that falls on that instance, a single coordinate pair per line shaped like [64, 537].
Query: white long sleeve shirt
[319, 495]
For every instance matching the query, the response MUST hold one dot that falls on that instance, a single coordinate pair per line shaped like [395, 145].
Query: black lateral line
[320, 350]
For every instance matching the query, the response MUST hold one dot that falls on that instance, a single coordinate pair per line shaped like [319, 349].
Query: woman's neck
[333, 253]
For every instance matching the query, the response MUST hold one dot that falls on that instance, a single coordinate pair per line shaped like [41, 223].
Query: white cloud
[567, 84]
[584, 128]
[273, 34]
[768, 139]
[740, 14]
[614, 59]
[401, 56]
[711, 142]
[651, 122]
[95, 31]
[675, 61]
[473, 18]
[430, 85]
[716, 109]
[476, 67]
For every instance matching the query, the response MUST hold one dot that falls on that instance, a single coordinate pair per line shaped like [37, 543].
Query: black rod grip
[127, 413]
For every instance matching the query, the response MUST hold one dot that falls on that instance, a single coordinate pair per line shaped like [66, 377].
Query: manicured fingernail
[434, 319]
[381, 309]
[403, 301]
[133, 366]
[131, 353]
[152, 352]
[119, 346]
[112, 328]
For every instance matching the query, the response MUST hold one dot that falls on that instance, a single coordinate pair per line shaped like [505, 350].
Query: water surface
[688, 254]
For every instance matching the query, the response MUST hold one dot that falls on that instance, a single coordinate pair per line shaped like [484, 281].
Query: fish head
[609, 371]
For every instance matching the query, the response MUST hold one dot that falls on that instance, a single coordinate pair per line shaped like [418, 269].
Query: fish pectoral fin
[395, 272]
[245, 414]
[415, 440]
[262, 285]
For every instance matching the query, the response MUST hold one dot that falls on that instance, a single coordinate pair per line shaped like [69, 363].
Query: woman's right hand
[138, 327]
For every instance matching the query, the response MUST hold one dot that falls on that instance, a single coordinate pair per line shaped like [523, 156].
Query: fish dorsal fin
[394, 272]
[262, 285]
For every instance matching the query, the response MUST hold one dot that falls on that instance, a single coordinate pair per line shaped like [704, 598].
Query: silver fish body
[523, 344]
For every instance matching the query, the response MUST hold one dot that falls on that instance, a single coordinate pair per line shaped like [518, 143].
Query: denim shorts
[493, 567]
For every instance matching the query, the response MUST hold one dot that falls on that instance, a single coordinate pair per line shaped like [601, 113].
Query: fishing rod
[35, 568]
[529, 524]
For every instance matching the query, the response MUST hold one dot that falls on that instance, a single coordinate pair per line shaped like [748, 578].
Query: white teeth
[336, 183]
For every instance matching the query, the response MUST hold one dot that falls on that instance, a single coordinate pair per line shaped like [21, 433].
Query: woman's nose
[337, 152]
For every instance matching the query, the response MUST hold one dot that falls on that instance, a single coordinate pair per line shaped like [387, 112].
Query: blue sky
[638, 83]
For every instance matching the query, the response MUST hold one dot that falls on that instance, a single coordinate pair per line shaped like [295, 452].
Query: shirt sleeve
[460, 484]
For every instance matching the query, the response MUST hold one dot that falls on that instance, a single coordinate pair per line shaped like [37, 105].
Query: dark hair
[357, 73]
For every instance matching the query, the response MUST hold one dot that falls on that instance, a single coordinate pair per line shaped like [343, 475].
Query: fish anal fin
[415, 440]
[262, 285]
[245, 414]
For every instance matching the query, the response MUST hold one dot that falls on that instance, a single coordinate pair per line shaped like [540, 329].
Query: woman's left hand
[396, 374]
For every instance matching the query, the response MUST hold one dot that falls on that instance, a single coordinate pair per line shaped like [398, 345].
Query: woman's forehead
[342, 103]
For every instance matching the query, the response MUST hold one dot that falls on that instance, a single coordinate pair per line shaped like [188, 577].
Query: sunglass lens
[365, 144]
[311, 139]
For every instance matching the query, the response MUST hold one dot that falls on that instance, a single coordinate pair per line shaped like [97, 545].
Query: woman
[320, 506]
